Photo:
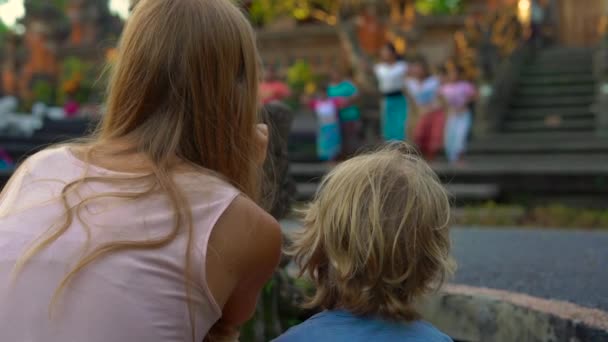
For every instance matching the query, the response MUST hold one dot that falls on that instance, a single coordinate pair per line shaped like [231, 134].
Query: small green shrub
[552, 216]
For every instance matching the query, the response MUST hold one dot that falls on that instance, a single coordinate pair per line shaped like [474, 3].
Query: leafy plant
[77, 80]
[43, 92]
[552, 216]
[439, 7]
[4, 32]
[299, 76]
[262, 12]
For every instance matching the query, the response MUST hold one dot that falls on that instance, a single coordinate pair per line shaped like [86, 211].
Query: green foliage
[60, 3]
[299, 76]
[77, 80]
[439, 7]
[558, 215]
[3, 28]
[491, 214]
[262, 12]
[551, 216]
[39, 4]
[4, 31]
[278, 308]
[43, 92]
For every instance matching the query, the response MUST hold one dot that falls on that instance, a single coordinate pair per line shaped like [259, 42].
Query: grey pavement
[552, 264]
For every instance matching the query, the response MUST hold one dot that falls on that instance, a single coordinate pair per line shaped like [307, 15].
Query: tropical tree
[439, 6]
[5, 32]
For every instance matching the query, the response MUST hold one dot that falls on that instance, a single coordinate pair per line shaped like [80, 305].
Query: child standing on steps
[458, 95]
[423, 87]
[329, 138]
[374, 240]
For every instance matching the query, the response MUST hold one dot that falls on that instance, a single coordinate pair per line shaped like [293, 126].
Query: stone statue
[279, 298]
[279, 188]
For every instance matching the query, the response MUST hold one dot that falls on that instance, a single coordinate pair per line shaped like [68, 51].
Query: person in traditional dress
[457, 94]
[329, 139]
[423, 87]
[350, 116]
[390, 73]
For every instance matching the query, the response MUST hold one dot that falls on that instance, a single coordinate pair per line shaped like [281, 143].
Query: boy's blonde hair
[376, 236]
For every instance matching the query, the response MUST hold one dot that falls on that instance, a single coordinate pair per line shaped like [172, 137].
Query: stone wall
[478, 315]
[321, 46]
[318, 45]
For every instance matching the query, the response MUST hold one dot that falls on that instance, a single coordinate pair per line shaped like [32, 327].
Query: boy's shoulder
[337, 326]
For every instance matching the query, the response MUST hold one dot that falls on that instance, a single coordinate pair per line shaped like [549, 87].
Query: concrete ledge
[479, 314]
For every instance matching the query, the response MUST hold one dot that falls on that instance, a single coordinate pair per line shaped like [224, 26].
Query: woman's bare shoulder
[245, 220]
[246, 239]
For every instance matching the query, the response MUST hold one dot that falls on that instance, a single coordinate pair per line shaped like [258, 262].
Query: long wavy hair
[183, 91]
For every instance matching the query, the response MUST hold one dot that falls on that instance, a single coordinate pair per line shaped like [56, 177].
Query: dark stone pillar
[279, 189]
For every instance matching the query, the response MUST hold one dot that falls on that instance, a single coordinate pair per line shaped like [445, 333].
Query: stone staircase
[554, 94]
[546, 144]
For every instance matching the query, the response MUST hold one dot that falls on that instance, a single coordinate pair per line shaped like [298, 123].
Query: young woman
[149, 230]
[423, 87]
[390, 74]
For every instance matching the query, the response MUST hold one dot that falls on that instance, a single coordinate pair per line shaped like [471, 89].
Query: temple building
[83, 30]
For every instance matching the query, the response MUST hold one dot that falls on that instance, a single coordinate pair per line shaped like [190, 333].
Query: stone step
[535, 71]
[556, 90]
[573, 164]
[561, 65]
[551, 101]
[540, 113]
[542, 125]
[576, 59]
[553, 56]
[498, 145]
[556, 79]
[533, 66]
[566, 161]
[460, 192]
[306, 191]
[308, 170]
[565, 50]
[572, 63]
[545, 137]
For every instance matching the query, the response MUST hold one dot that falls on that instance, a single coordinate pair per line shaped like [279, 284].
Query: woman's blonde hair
[183, 90]
[376, 236]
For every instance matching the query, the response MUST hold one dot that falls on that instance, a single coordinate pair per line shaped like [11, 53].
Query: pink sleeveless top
[134, 295]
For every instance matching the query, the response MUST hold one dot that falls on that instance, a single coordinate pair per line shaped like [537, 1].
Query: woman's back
[125, 254]
[132, 295]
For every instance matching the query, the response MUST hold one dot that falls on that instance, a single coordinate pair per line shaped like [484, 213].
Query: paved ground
[570, 266]
[552, 264]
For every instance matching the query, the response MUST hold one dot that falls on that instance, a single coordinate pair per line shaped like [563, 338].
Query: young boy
[375, 239]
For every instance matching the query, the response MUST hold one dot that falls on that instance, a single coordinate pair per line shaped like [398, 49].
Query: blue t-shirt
[341, 326]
